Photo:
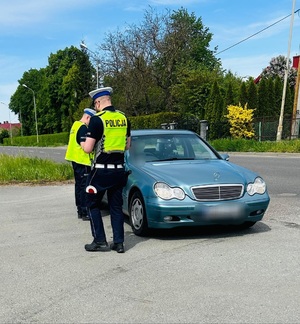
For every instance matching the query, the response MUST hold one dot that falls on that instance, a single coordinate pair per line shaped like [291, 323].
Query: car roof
[138, 132]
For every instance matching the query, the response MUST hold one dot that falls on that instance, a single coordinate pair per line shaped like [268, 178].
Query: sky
[247, 33]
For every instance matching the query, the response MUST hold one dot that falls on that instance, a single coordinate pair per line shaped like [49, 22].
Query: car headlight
[164, 191]
[257, 187]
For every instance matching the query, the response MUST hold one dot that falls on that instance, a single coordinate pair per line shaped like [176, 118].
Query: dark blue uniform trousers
[112, 182]
[80, 176]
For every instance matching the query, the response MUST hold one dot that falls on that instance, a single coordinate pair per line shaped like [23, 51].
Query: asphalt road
[209, 275]
[56, 154]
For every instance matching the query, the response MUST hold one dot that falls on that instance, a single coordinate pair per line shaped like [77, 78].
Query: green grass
[20, 169]
[244, 145]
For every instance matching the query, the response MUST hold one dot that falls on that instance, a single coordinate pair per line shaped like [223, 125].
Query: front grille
[218, 192]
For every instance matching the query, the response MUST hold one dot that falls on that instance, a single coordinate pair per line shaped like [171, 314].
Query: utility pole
[296, 107]
[279, 129]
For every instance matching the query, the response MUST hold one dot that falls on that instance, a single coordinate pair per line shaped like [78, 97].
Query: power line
[276, 22]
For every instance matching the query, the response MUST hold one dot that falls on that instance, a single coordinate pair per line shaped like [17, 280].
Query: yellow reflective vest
[75, 153]
[114, 132]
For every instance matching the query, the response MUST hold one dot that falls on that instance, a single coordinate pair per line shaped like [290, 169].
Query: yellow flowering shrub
[240, 120]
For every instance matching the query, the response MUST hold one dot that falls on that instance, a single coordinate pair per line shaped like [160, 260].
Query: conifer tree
[243, 96]
[214, 111]
[278, 88]
[252, 95]
[229, 94]
[262, 99]
[269, 111]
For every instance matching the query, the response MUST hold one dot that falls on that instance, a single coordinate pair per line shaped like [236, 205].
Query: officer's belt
[108, 166]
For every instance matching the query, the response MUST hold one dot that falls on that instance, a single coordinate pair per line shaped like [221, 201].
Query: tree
[252, 95]
[229, 94]
[22, 102]
[289, 99]
[128, 57]
[192, 92]
[3, 134]
[278, 88]
[270, 88]
[277, 67]
[243, 98]
[184, 44]
[231, 85]
[69, 75]
[146, 62]
[214, 111]
[262, 99]
[59, 89]
[269, 109]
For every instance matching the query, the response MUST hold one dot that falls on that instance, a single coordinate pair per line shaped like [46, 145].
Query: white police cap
[89, 111]
[106, 91]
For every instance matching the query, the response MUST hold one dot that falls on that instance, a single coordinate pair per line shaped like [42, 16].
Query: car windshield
[169, 147]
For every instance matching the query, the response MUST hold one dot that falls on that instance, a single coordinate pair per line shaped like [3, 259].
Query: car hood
[197, 172]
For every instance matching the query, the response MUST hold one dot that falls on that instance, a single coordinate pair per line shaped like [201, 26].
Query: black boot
[85, 217]
[119, 247]
[84, 214]
[79, 213]
[97, 247]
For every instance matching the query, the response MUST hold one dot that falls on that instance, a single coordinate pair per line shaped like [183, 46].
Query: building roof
[6, 125]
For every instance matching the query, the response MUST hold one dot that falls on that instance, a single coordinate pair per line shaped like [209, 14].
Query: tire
[137, 215]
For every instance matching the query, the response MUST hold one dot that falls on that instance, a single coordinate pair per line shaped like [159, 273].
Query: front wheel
[137, 215]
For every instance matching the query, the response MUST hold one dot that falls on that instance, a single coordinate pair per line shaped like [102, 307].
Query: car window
[167, 147]
[201, 150]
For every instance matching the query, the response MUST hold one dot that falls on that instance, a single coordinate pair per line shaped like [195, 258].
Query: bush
[59, 139]
[4, 134]
[240, 120]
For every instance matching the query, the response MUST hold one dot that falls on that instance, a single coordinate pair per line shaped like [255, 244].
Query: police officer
[108, 137]
[81, 161]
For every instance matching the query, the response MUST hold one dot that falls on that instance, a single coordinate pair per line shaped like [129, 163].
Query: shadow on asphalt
[201, 232]
[182, 233]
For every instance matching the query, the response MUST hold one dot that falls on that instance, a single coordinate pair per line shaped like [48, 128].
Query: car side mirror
[225, 156]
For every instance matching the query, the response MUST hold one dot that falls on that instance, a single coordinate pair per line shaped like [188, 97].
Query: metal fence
[265, 128]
